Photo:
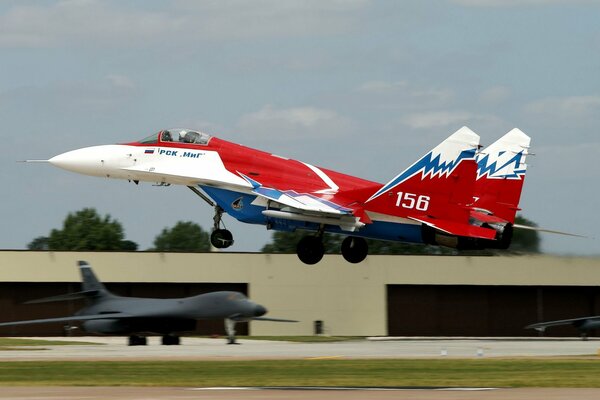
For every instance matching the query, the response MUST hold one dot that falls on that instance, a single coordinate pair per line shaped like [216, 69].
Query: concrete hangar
[383, 296]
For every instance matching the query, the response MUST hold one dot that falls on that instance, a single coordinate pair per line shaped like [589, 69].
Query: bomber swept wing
[541, 326]
[67, 319]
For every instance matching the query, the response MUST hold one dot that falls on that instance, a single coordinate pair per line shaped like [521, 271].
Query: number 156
[412, 200]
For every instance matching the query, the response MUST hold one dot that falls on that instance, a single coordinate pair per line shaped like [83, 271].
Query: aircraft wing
[273, 319]
[309, 207]
[241, 318]
[541, 326]
[65, 297]
[65, 319]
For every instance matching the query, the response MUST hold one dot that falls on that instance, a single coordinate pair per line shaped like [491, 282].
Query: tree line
[86, 230]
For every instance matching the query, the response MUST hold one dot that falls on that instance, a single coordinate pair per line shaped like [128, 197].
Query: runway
[115, 348]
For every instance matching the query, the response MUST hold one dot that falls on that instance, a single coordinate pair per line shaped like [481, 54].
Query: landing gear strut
[220, 238]
[230, 330]
[354, 249]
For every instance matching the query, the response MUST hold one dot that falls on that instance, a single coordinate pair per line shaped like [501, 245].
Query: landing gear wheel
[135, 340]
[310, 250]
[170, 340]
[354, 249]
[221, 238]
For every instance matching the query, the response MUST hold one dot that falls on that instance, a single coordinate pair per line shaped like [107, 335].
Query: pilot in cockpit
[165, 136]
[191, 137]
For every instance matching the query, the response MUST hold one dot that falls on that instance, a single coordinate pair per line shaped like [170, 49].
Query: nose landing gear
[220, 238]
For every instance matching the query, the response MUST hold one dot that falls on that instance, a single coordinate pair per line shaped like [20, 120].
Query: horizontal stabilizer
[456, 228]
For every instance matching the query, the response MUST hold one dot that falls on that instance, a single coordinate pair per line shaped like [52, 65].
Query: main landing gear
[135, 340]
[310, 249]
[354, 249]
[166, 340]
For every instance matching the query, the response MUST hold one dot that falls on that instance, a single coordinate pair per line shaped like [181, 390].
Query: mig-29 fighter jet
[456, 195]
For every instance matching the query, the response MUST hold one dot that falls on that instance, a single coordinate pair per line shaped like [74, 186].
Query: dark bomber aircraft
[583, 324]
[110, 314]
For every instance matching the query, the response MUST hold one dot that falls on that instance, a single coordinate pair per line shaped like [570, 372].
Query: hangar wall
[351, 299]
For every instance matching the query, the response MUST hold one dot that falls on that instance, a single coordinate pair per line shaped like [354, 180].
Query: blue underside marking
[239, 206]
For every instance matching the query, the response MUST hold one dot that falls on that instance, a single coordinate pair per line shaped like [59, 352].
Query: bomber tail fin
[91, 288]
[89, 281]
[501, 172]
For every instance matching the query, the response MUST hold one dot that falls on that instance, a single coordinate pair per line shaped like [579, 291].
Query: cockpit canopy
[178, 135]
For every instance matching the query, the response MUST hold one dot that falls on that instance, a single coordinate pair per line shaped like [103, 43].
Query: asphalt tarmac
[115, 348]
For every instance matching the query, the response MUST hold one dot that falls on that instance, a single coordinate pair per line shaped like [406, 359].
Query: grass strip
[386, 373]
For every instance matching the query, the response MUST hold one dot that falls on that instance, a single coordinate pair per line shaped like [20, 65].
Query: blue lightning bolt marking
[492, 169]
[427, 166]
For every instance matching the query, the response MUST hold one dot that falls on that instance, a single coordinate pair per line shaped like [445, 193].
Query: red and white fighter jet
[456, 195]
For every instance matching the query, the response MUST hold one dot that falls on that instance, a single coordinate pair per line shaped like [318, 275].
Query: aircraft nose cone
[259, 310]
[75, 161]
[102, 160]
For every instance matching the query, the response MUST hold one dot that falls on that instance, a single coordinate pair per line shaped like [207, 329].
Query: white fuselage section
[151, 164]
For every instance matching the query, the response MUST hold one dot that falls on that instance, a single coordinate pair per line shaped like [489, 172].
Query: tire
[310, 250]
[221, 238]
[135, 340]
[354, 249]
[170, 340]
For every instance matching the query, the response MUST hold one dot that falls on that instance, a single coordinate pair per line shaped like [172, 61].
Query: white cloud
[294, 123]
[402, 94]
[565, 107]
[121, 81]
[495, 94]
[441, 119]
[81, 22]
[519, 3]
[378, 87]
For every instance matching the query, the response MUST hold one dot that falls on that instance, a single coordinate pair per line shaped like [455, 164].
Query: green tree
[39, 243]
[525, 240]
[184, 236]
[85, 230]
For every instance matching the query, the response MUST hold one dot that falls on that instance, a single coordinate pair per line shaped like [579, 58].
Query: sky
[361, 87]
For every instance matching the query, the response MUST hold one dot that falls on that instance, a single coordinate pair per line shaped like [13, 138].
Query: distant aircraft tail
[501, 172]
[89, 281]
[92, 288]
